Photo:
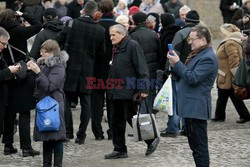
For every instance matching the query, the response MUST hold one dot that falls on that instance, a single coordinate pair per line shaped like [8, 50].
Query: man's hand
[173, 59]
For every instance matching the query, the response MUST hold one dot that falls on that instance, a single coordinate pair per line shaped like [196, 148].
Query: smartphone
[170, 49]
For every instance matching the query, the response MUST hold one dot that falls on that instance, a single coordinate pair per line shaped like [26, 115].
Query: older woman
[229, 54]
[50, 71]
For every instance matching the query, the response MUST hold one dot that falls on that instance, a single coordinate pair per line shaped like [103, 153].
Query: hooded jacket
[50, 82]
[50, 30]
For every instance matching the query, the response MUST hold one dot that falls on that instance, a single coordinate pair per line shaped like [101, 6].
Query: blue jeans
[173, 124]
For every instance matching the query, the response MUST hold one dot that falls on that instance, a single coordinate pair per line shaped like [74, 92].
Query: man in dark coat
[86, 44]
[20, 98]
[52, 25]
[5, 74]
[101, 72]
[150, 44]
[127, 61]
[74, 8]
[228, 8]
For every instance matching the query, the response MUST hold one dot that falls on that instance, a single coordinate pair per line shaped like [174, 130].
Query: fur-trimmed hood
[52, 60]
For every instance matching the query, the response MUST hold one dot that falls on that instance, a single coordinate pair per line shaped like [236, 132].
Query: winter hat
[50, 13]
[193, 16]
[167, 19]
[244, 1]
[227, 29]
[139, 17]
[133, 10]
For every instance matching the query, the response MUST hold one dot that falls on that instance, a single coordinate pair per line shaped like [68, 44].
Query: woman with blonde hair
[50, 77]
[229, 54]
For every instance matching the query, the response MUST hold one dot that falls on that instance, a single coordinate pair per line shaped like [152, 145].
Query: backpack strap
[66, 44]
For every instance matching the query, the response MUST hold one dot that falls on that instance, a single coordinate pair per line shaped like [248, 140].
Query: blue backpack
[47, 115]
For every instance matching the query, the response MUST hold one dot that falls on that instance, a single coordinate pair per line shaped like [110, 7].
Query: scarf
[195, 53]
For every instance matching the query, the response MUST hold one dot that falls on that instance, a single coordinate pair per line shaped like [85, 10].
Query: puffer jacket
[229, 54]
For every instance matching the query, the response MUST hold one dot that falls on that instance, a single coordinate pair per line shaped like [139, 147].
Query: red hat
[133, 10]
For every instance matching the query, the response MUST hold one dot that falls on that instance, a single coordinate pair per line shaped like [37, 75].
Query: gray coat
[50, 81]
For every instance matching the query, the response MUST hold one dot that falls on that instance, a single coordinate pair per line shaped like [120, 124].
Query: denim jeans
[173, 124]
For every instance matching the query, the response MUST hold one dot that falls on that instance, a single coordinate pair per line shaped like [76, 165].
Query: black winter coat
[50, 82]
[50, 31]
[21, 92]
[86, 44]
[102, 63]
[128, 62]
[5, 75]
[150, 44]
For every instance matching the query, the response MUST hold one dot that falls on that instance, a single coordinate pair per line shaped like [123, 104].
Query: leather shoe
[242, 120]
[30, 152]
[218, 120]
[79, 141]
[9, 150]
[152, 147]
[167, 134]
[116, 155]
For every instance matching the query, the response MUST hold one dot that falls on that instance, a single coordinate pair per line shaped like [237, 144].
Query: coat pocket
[221, 77]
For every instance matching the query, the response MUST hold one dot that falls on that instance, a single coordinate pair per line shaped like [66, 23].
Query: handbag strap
[152, 121]
[66, 44]
[10, 47]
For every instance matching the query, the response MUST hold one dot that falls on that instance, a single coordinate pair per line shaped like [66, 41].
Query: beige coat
[229, 54]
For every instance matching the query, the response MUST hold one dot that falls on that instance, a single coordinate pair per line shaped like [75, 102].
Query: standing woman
[229, 55]
[50, 77]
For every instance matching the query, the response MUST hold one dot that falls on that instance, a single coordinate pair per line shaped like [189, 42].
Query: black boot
[47, 159]
[30, 152]
[58, 158]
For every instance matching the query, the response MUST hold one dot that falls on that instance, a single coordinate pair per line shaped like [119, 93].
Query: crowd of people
[60, 46]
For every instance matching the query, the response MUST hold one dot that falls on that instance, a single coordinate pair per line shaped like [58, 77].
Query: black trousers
[85, 102]
[24, 129]
[223, 95]
[98, 100]
[124, 110]
[198, 141]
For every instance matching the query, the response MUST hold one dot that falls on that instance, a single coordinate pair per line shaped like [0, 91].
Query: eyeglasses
[4, 44]
[191, 40]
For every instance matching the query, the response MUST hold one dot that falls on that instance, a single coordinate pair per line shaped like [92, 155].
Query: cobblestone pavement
[229, 146]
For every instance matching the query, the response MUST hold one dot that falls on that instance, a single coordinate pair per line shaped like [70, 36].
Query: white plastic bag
[164, 99]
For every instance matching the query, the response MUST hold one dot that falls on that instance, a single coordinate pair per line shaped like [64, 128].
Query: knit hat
[227, 29]
[139, 17]
[31, 2]
[167, 19]
[244, 1]
[133, 10]
[50, 13]
[193, 16]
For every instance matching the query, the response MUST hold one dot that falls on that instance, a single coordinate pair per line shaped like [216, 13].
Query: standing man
[182, 48]
[86, 44]
[127, 61]
[197, 78]
[101, 72]
[74, 8]
[6, 73]
[150, 44]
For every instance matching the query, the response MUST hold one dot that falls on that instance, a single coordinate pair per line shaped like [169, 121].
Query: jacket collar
[86, 18]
